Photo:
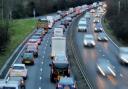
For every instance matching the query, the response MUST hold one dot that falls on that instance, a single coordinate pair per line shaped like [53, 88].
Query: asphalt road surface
[102, 50]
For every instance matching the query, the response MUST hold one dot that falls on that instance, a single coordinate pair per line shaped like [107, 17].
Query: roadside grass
[19, 29]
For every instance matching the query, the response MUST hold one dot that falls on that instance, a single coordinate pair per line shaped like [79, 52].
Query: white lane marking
[39, 87]
[16, 60]
[121, 75]
[46, 44]
[40, 78]
[43, 57]
[103, 55]
[42, 62]
[41, 69]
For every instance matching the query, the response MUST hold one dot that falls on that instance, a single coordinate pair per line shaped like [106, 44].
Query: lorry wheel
[51, 78]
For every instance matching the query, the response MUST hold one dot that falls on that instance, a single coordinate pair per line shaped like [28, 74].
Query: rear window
[17, 68]
[8, 88]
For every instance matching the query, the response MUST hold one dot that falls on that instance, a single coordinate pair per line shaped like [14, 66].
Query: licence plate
[66, 87]
[27, 61]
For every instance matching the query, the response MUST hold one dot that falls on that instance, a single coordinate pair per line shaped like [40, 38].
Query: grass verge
[18, 30]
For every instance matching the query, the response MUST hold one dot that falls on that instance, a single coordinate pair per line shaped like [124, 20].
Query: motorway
[102, 50]
[39, 73]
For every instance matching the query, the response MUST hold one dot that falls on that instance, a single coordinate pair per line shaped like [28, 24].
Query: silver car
[123, 55]
[89, 40]
[102, 37]
[105, 67]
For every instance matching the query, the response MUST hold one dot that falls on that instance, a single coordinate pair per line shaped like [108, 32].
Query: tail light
[73, 86]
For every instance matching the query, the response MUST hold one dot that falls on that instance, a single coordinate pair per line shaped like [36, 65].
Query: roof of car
[66, 80]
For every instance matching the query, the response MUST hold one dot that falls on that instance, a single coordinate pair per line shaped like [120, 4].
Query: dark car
[66, 83]
[37, 38]
[98, 27]
[28, 58]
[102, 37]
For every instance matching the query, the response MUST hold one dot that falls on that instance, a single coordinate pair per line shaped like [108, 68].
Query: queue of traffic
[60, 67]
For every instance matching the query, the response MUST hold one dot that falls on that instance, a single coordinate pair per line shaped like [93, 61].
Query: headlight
[85, 42]
[95, 28]
[93, 42]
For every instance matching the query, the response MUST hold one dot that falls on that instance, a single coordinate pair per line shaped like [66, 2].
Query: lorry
[58, 45]
[43, 23]
[13, 83]
[59, 67]
[58, 32]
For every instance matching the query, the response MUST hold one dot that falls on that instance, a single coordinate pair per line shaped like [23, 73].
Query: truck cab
[59, 67]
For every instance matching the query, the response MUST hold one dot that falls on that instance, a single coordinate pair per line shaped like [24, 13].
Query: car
[18, 70]
[34, 41]
[32, 44]
[32, 49]
[65, 23]
[28, 58]
[105, 68]
[97, 15]
[102, 37]
[96, 20]
[40, 32]
[89, 40]
[92, 11]
[62, 26]
[19, 79]
[82, 27]
[68, 18]
[37, 38]
[98, 27]
[123, 55]
[66, 83]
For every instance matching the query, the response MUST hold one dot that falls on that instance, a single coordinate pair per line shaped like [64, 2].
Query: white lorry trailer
[58, 46]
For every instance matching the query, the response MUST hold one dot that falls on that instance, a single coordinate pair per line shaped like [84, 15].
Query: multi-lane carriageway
[39, 74]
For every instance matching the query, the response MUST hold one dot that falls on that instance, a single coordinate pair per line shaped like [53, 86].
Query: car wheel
[25, 78]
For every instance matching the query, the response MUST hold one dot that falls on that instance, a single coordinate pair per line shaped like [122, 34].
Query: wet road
[102, 50]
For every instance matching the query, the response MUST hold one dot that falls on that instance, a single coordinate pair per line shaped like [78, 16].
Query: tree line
[117, 15]
[15, 9]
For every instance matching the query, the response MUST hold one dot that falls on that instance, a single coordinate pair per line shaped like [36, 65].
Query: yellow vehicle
[43, 23]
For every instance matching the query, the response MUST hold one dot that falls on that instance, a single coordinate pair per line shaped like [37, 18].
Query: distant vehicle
[50, 21]
[58, 32]
[58, 45]
[98, 27]
[43, 23]
[87, 15]
[89, 40]
[34, 41]
[96, 20]
[97, 15]
[66, 83]
[4, 84]
[65, 23]
[40, 32]
[105, 67]
[102, 37]
[59, 12]
[62, 26]
[33, 50]
[28, 58]
[82, 26]
[59, 67]
[37, 38]
[92, 11]
[68, 18]
[57, 18]
[32, 44]
[18, 70]
[123, 55]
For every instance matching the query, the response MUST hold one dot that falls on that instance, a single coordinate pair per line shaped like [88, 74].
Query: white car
[89, 40]
[123, 55]
[18, 70]
[92, 11]
[82, 27]
[106, 68]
